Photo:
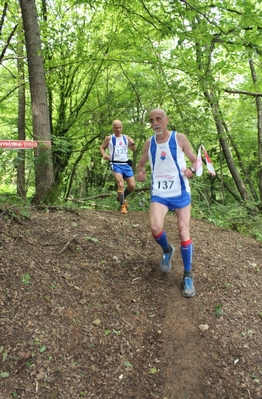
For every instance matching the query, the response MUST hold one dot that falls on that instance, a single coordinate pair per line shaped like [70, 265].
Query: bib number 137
[165, 184]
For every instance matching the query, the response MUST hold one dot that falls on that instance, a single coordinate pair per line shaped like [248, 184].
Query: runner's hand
[141, 176]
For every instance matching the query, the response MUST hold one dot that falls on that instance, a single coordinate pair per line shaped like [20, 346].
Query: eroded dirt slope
[85, 312]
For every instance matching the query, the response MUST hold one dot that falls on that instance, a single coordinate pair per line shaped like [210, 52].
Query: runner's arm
[141, 172]
[185, 145]
[131, 143]
[103, 147]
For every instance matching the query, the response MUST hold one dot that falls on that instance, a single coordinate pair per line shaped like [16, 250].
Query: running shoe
[188, 287]
[123, 209]
[165, 264]
[126, 203]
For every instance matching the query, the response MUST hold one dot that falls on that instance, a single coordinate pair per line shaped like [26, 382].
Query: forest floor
[86, 313]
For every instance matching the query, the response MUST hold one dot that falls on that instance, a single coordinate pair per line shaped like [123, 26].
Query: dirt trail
[183, 371]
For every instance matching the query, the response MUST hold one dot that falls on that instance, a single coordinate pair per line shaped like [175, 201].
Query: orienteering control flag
[199, 167]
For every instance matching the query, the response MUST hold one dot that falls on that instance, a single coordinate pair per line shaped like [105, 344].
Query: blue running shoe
[188, 287]
[165, 264]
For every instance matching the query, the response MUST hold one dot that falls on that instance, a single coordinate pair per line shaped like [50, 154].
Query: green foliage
[152, 370]
[4, 374]
[13, 207]
[237, 218]
[26, 279]
[218, 310]
[107, 60]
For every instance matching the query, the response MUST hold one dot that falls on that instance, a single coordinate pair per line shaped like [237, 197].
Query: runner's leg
[157, 215]
[183, 222]
[120, 187]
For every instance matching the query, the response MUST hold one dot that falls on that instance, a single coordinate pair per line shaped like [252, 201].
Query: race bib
[119, 150]
[163, 184]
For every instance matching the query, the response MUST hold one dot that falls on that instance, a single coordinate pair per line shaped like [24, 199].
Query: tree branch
[248, 93]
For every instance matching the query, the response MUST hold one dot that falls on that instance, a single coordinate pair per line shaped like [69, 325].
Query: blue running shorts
[179, 202]
[123, 168]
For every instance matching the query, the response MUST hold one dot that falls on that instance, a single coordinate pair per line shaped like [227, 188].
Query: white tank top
[166, 161]
[118, 148]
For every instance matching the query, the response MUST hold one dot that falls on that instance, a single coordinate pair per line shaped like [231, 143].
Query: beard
[158, 131]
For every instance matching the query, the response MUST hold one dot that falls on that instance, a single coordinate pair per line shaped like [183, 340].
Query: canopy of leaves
[119, 59]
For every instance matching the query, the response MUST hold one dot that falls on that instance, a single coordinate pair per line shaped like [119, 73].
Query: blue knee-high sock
[161, 239]
[187, 255]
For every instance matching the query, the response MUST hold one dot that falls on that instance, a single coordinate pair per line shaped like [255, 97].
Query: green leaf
[219, 310]
[93, 239]
[26, 279]
[5, 374]
[153, 370]
[42, 349]
[128, 364]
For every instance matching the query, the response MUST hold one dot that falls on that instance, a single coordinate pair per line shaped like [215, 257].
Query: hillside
[85, 312]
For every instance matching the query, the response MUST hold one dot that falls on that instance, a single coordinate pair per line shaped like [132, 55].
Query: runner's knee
[156, 228]
[183, 233]
[131, 186]
[120, 186]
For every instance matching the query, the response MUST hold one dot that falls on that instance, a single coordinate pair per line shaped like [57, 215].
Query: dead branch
[102, 195]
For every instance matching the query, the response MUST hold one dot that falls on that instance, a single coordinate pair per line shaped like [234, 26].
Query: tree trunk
[204, 58]
[244, 170]
[20, 164]
[221, 133]
[44, 176]
[82, 152]
[259, 129]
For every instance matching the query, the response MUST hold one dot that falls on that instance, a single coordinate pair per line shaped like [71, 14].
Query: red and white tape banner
[23, 144]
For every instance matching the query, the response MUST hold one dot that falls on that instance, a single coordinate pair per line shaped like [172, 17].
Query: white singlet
[118, 148]
[166, 161]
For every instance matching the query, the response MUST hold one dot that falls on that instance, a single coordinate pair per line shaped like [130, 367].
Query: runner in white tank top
[117, 145]
[169, 191]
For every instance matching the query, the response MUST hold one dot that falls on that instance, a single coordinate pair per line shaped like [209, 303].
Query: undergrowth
[231, 217]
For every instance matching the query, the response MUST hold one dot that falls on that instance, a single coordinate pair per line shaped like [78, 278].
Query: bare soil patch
[85, 312]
